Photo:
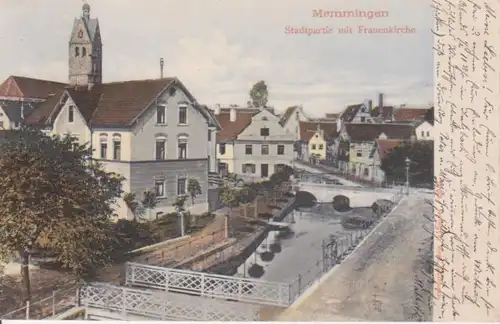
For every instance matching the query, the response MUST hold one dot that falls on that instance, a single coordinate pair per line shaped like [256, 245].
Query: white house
[253, 144]
[152, 132]
[425, 131]
[291, 119]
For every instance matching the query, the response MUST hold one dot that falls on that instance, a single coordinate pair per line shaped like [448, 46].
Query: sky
[220, 48]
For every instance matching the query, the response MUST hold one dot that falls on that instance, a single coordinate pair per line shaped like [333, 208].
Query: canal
[301, 246]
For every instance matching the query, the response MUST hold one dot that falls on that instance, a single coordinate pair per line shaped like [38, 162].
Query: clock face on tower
[80, 34]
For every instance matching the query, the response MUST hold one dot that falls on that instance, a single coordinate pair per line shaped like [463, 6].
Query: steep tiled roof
[111, 104]
[14, 109]
[370, 132]
[407, 114]
[384, 147]
[350, 112]
[23, 87]
[231, 129]
[308, 129]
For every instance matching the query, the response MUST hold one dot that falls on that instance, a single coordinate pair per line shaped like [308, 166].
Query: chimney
[380, 103]
[232, 114]
[22, 110]
[161, 68]
[217, 109]
[370, 106]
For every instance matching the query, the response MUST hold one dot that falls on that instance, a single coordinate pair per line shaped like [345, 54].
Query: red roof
[410, 114]
[308, 129]
[371, 132]
[30, 88]
[386, 146]
[231, 129]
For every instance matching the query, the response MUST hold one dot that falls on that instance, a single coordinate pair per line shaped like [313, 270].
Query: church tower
[85, 51]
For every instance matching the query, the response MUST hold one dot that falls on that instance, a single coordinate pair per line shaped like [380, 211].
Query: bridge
[323, 189]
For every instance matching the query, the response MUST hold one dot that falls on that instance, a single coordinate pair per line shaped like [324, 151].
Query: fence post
[27, 309]
[202, 288]
[167, 278]
[53, 303]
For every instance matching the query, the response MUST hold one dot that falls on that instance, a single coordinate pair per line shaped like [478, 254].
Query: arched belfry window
[84, 52]
[77, 51]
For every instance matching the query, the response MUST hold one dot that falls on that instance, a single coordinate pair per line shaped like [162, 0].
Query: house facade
[316, 137]
[381, 149]
[152, 132]
[425, 131]
[253, 145]
[291, 119]
[361, 139]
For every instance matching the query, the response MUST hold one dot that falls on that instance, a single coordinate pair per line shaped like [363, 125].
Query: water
[302, 250]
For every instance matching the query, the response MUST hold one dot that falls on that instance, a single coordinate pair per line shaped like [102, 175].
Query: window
[313, 147]
[182, 147]
[320, 146]
[104, 146]
[363, 119]
[117, 147]
[77, 51]
[428, 134]
[264, 149]
[160, 148]
[248, 168]
[84, 52]
[422, 133]
[71, 114]
[181, 186]
[264, 170]
[248, 149]
[359, 153]
[264, 131]
[1, 124]
[281, 149]
[182, 115]
[160, 115]
[160, 189]
[366, 172]
[222, 148]
[209, 138]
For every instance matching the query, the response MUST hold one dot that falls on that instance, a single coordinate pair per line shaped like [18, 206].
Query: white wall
[425, 132]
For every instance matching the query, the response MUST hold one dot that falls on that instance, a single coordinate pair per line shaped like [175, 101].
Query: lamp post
[407, 167]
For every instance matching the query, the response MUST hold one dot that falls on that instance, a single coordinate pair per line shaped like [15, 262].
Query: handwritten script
[466, 213]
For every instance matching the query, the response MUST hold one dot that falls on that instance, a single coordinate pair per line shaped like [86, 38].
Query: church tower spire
[85, 51]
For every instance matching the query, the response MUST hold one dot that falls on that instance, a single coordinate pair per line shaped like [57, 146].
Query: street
[376, 283]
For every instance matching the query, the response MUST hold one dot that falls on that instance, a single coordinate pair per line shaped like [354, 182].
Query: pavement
[377, 281]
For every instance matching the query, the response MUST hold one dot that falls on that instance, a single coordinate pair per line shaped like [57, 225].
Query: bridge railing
[208, 285]
[162, 305]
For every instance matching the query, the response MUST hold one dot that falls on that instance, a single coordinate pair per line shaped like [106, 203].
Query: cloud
[219, 48]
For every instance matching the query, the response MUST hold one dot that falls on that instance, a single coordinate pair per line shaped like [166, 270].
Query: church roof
[115, 104]
[28, 88]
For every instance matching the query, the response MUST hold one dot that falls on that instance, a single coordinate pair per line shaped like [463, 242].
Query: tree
[194, 189]
[149, 201]
[230, 197]
[131, 202]
[53, 192]
[259, 94]
[421, 155]
[179, 203]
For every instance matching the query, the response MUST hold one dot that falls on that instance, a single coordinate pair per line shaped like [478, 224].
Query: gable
[264, 119]
[62, 124]
[80, 33]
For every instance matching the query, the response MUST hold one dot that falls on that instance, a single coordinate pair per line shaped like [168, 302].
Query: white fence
[162, 305]
[208, 285]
